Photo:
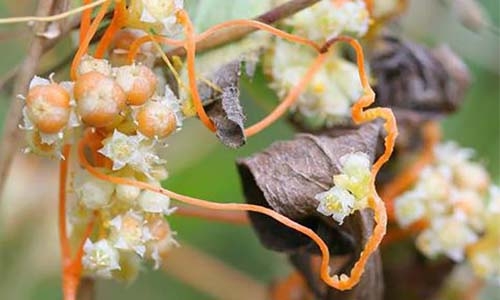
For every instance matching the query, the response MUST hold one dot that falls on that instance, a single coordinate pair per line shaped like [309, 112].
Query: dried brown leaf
[223, 106]
[415, 81]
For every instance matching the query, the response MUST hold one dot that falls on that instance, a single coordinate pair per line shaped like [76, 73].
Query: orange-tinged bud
[48, 107]
[99, 99]
[155, 119]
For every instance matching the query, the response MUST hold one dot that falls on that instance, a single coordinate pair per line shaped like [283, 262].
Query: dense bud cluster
[129, 120]
[454, 195]
[329, 96]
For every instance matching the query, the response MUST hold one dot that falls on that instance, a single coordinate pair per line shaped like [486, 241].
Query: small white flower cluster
[123, 101]
[327, 99]
[452, 195]
[126, 119]
[130, 221]
[158, 14]
[329, 18]
[350, 190]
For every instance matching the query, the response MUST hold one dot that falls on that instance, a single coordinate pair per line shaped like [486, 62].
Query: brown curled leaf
[286, 177]
[222, 104]
[416, 82]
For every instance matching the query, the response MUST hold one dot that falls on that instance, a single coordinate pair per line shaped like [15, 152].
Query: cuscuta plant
[91, 141]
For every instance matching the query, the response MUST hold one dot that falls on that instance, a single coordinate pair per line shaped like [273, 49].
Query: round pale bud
[155, 119]
[138, 82]
[99, 99]
[48, 107]
[89, 64]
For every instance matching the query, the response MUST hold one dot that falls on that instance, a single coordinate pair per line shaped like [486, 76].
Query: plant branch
[26, 71]
[234, 34]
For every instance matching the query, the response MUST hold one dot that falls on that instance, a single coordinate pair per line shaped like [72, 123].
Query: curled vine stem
[431, 133]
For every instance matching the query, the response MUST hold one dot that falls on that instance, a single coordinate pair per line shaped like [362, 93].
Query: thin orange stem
[290, 98]
[117, 22]
[86, 235]
[63, 237]
[217, 206]
[369, 6]
[232, 217]
[190, 46]
[397, 234]
[431, 136]
[262, 26]
[360, 115]
[84, 45]
[72, 272]
[85, 20]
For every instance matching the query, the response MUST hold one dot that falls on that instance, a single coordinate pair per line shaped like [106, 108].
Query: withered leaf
[415, 81]
[222, 104]
[286, 177]
[290, 173]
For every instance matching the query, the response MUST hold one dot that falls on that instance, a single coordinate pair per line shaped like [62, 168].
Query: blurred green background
[199, 166]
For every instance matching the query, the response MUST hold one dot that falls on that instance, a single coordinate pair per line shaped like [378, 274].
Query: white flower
[121, 148]
[336, 202]
[89, 64]
[328, 97]
[355, 176]
[154, 202]
[134, 150]
[436, 183]
[409, 207]
[92, 192]
[450, 236]
[326, 19]
[100, 258]
[162, 12]
[129, 233]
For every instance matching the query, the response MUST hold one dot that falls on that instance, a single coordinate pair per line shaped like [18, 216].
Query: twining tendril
[71, 267]
[431, 134]
[84, 45]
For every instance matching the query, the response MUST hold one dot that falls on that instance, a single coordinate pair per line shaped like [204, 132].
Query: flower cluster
[329, 96]
[126, 118]
[157, 14]
[454, 195]
[330, 18]
[350, 189]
